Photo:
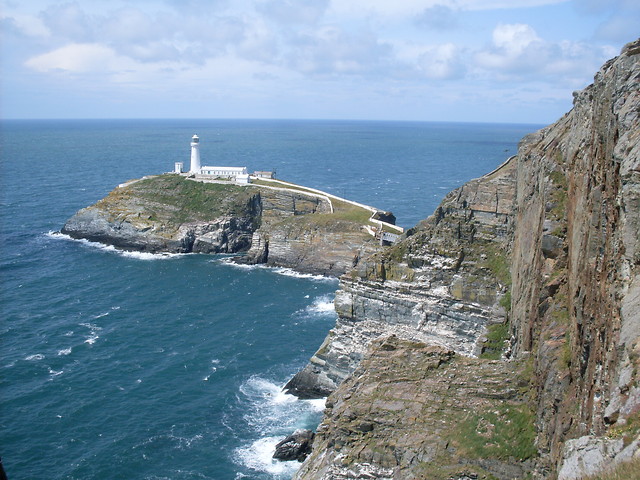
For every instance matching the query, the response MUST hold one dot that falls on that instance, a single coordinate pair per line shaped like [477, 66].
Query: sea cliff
[501, 337]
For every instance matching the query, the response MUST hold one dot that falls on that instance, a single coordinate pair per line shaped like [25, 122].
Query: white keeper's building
[237, 174]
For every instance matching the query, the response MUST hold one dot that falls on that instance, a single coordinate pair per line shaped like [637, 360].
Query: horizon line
[61, 119]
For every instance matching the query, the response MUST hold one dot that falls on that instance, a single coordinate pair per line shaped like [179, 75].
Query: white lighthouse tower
[195, 155]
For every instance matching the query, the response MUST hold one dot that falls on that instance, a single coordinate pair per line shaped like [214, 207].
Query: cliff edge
[501, 338]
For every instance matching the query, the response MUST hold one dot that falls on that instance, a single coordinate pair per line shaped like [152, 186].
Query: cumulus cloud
[227, 48]
[518, 56]
[441, 62]
[515, 48]
[331, 50]
[437, 17]
[155, 36]
[79, 58]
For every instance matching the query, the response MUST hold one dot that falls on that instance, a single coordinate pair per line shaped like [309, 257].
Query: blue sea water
[137, 366]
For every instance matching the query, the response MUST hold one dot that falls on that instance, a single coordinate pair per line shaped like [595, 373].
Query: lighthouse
[195, 155]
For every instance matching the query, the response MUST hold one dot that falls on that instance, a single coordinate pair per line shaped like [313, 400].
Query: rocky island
[284, 225]
[498, 339]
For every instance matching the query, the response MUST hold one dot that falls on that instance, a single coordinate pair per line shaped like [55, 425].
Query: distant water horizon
[128, 365]
[266, 119]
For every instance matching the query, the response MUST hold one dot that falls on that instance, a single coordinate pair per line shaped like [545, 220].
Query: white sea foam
[112, 249]
[288, 272]
[242, 266]
[317, 404]
[322, 305]
[55, 373]
[257, 456]
[272, 415]
[93, 333]
[34, 357]
[64, 351]
[214, 369]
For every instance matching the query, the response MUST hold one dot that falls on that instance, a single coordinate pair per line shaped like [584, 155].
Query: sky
[506, 61]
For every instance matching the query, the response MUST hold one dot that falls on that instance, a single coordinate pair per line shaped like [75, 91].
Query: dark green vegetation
[493, 347]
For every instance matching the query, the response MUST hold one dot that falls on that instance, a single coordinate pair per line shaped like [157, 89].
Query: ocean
[138, 366]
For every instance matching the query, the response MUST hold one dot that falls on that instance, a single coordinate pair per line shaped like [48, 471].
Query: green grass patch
[505, 301]
[178, 200]
[559, 195]
[565, 354]
[493, 347]
[499, 263]
[559, 179]
[504, 432]
[628, 430]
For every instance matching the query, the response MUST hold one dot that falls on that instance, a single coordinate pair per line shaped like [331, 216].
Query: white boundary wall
[335, 197]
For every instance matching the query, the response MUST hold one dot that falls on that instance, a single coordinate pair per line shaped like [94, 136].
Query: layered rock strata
[414, 411]
[554, 233]
[442, 284]
[279, 227]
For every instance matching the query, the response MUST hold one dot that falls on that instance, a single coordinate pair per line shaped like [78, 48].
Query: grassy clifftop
[173, 199]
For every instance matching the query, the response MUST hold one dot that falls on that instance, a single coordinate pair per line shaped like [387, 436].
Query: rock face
[548, 242]
[170, 214]
[441, 285]
[296, 446]
[416, 411]
[576, 304]
[280, 227]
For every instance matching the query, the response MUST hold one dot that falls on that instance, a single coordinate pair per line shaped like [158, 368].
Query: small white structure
[195, 155]
[226, 172]
[178, 167]
[263, 174]
[237, 174]
[243, 178]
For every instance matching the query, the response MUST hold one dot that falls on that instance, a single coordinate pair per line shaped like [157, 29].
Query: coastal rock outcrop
[168, 213]
[277, 226]
[414, 411]
[544, 254]
[442, 284]
[296, 446]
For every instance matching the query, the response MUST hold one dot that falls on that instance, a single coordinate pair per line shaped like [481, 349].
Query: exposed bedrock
[412, 411]
[553, 236]
[441, 285]
[576, 308]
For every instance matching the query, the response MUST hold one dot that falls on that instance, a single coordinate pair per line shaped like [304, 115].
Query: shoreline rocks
[296, 446]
